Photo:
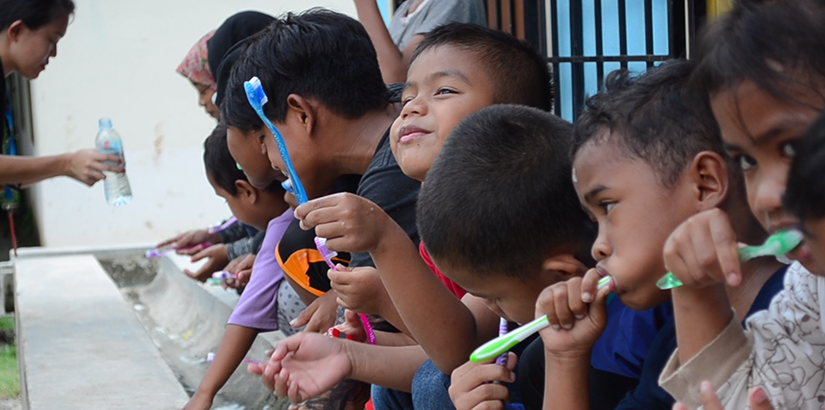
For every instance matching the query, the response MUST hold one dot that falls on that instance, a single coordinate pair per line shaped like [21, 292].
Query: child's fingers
[728, 251]
[304, 317]
[302, 211]
[563, 313]
[512, 359]
[200, 255]
[589, 285]
[679, 406]
[546, 305]
[255, 369]
[341, 275]
[484, 396]
[759, 399]
[709, 399]
[574, 298]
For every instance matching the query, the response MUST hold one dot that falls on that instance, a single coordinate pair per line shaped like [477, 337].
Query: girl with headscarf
[195, 67]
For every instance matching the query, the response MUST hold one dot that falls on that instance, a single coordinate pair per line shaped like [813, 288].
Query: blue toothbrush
[257, 98]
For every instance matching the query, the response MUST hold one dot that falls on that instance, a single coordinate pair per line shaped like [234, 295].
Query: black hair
[805, 192]
[317, 54]
[657, 117]
[222, 168]
[33, 13]
[499, 197]
[769, 42]
[521, 75]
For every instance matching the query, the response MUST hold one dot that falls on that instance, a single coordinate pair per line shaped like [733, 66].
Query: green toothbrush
[777, 244]
[506, 342]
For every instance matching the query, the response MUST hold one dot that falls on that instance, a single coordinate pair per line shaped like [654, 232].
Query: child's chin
[813, 267]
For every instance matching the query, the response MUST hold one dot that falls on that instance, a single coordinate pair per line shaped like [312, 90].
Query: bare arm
[85, 166]
[235, 344]
[393, 62]
[445, 327]
[565, 384]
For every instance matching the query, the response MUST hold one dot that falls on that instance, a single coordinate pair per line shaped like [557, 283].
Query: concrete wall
[118, 59]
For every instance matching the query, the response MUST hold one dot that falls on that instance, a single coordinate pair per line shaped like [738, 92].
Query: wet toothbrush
[221, 227]
[502, 344]
[210, 357]
[257, 98]
[777, 244]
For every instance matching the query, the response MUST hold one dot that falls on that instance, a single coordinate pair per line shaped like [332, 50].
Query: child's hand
[703, 251]
[349, 222]
[199, 402]
[185, 242]
[577, 318]
[359, 289]
[319, 316]
[217, 261]
[472, 384]
[242, 268]
[757, 397]
[304, 366]
[353, 327]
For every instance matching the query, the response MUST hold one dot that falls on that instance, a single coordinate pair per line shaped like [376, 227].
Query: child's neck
[6, 62]
[351, 151]
[273, 206]
[755, 273]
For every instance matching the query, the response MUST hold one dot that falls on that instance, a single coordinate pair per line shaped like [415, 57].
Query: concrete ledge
[80, 346]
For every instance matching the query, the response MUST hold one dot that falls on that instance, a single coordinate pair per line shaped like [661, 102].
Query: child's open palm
[349, 222]
[304, 366]
[577, 318]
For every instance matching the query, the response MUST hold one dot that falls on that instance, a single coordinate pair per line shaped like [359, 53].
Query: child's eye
[788, 150]
[745, 162]
[607, 206]
[405, 101]
[444, 91]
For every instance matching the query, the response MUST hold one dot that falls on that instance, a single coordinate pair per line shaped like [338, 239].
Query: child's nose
[768, 190]
[601, 248]
[413, 107]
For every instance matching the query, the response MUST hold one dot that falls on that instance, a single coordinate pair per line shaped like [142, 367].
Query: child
[195, 67]
[763, 69]
[479, 173]
[29, 33]
[806, 188]
[266, 303]
[412, 20]
[456, 70]
[644, 145]
[333, 113]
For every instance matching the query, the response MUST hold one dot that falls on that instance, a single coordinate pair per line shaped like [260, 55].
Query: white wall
[118, 59]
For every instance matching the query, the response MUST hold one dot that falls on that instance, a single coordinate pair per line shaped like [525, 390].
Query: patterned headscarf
[195, 66]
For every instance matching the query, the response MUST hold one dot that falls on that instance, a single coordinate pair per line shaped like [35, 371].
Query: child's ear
[564, 264]
[246, 191]
[303, 109]
[710, 173]
[13, 31]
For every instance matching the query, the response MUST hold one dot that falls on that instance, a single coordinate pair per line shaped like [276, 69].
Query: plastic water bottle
[118, 191]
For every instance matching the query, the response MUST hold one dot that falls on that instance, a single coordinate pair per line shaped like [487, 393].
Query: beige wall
[118, 59]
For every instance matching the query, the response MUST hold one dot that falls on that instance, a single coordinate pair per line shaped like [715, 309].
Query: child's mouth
[801, 253]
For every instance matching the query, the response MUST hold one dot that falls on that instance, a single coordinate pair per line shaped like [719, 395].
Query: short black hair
[499, 197]
[805, 192]
[748, 42]
[657, 117]
[520, 74]
[222, 168]
[33, 13]
[317, 54]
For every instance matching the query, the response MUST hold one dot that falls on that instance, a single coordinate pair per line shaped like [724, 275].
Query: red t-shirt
[458, 291]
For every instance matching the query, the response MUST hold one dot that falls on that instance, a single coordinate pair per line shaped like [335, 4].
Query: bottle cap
[105, 124]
